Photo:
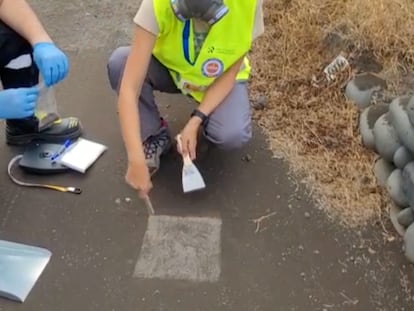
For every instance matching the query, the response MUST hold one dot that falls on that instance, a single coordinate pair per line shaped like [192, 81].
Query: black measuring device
[39, 158]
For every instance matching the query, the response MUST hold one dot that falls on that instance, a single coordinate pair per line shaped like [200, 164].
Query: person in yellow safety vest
[195, 47]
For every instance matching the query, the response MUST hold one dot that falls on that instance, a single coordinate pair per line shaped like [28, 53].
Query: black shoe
[21, 132]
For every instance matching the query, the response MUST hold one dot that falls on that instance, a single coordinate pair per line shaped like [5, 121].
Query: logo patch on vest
[212, 68]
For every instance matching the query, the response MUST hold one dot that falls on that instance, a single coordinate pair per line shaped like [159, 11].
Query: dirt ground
[295, 260]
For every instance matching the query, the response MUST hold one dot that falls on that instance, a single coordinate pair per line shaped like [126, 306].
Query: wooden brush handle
[148, 204]
[186, 158]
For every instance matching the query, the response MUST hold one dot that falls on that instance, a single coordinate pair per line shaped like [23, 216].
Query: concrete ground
[202, 251]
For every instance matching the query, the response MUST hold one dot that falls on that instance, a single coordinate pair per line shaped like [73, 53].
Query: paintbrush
[191, 177]
[148, 204]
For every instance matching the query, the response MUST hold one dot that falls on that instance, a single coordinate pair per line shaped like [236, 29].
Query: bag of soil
[46, 109]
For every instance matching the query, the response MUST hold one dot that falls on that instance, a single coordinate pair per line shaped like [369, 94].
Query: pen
[61, 150]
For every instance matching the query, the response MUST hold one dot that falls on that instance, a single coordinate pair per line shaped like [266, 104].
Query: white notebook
[82, 154]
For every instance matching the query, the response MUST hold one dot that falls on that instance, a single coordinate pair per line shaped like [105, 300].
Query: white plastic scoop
[191, 177]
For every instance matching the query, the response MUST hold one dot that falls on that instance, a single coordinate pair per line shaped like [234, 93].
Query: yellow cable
[46, 186]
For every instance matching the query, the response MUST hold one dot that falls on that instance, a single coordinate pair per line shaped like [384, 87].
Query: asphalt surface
[296, 259]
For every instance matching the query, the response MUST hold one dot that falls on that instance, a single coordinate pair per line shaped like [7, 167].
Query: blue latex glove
[18, 103]
[53, 64]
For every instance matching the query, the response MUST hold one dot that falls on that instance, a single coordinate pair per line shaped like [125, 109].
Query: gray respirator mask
[209, 11]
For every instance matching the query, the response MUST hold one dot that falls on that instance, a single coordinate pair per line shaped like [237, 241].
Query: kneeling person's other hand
[18, 103]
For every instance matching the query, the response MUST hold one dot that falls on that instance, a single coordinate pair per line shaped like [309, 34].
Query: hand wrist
[41, 41]
[44, 38]
[196, 121]
[198, 117]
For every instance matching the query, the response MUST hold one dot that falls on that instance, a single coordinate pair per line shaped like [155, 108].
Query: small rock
[118, 201]
[259, 103]
[303, 274]
[247, 158]
[382, 170]
[316, 252]
[401, 122]
[128, 200]
[402, 156]
[360, 89]
[386, 138]
[394, 211]
[336, 41]
[307, 215]
[408, 183]
[367, 61]
[301, 248]
[365, 180]
[410, 110]
[409, 243]
[390, 238]
[367, 120]
[405, 217]
[395, 188]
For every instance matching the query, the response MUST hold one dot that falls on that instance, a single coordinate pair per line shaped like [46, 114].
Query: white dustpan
[20, 267]
[191, 177]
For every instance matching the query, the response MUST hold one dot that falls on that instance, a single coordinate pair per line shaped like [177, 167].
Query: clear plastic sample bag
[46, 109]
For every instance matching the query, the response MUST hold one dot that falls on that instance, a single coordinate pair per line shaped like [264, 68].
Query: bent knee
[116, 65]
[232, 138]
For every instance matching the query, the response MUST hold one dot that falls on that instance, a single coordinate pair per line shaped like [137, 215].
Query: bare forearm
[133, 78]
[216, 93]
[130, 125]
[18, 15]
[219, 90]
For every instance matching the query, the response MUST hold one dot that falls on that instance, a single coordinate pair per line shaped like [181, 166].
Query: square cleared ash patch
[181, 248]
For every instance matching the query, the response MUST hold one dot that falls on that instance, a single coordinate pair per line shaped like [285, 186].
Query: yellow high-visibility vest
[227, 41]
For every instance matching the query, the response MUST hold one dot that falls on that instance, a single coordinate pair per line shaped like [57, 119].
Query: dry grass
[316, 129]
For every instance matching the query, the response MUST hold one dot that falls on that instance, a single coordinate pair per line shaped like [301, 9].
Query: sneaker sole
[51, 138]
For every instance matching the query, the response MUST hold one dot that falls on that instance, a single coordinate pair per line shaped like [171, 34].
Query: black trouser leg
[12, 45]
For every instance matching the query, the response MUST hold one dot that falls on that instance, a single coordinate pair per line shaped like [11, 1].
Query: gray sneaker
[156, 146]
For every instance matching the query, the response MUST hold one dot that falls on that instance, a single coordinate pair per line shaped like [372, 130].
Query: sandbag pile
[386, 125]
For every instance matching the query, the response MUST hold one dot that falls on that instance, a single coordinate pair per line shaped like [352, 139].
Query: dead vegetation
[316, 128]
